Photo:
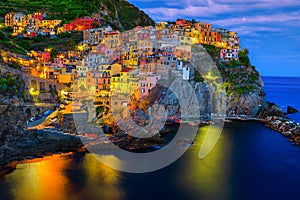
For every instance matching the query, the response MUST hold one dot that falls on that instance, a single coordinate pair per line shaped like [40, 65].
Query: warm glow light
[46, 179]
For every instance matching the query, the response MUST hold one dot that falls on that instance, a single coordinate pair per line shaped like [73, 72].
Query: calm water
[285, 91]
[248, 162]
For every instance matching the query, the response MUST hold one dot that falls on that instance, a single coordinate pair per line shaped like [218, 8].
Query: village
[108, 62]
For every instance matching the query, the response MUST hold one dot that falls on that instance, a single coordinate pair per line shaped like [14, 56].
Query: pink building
[147, 81]
[229, 54]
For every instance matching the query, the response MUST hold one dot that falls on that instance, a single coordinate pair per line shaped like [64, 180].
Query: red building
[81, 24]
[38, 15]
[46, 57]
[182, 22]
[32, 34]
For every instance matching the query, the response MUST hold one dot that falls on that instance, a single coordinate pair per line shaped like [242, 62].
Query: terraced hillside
[118, 13]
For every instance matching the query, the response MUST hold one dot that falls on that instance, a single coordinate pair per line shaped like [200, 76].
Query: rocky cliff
[221, 88]
[244, 90]
[16, 143]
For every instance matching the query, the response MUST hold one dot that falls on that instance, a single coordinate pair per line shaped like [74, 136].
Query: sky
[269, 29]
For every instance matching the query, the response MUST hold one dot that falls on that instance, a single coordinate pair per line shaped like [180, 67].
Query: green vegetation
[53, 53]
[213, 51]
[67, 10]
[239, 76]
[129, 14]
[197, 76]
[243, 57]
[118, 13]
[65, 41]
[11, 86]
[8, 42]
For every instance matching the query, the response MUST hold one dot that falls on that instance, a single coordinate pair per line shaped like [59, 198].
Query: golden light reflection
[42, 180]
[210, 174]
[102, 180]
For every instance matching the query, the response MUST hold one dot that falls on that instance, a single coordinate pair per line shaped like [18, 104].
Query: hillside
[118, 13]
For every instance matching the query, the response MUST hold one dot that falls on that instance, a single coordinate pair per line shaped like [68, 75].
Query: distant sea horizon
[280, 76]
[283, 91]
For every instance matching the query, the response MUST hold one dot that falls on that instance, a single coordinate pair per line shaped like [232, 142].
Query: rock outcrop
[221, 90]
[270, 109]
[16, 143]
[286, 127]
[291, 110]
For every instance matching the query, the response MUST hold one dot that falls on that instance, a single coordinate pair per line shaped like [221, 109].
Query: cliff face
[220, 89]
[18, 144]
[123, 15]
[244, 90]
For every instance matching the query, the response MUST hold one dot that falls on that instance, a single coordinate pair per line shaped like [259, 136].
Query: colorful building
[147, 81]
[229, 54]
[81, 24]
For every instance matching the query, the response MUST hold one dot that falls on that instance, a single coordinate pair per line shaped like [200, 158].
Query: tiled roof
[127, 69]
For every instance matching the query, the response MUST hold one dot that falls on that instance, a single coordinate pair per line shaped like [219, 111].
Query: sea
[249, 161]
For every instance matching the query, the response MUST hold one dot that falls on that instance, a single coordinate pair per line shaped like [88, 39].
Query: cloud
[292, 18]
[251, 31]
[208, 8]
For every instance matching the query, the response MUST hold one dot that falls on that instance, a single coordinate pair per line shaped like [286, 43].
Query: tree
[53, 53]
[243, 57]
[96, 25]
[245, 51]
[71, 45]
[15, 65]
[8, 29]
[39, 38]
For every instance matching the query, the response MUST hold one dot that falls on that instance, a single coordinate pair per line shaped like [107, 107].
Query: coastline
[285, 126]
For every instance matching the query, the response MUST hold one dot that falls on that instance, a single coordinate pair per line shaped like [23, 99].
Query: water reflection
[102, 182]
[208, 176]
[248, 162]
[64, 177]
[41, 180]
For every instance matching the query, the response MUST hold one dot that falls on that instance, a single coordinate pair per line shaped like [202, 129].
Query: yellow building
[9, 19]
[112, 39]
[104, 82]
[126, 83]
[50, 23]
[130, 54]
[65, 78]
[185, 43]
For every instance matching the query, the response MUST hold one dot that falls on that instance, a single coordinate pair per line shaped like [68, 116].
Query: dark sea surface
[249, 161]
[284, 91]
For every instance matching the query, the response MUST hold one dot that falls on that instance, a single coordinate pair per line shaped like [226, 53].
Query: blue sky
[269, 29]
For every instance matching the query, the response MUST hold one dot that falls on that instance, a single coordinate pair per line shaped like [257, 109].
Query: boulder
[291, 110]
[270, 109]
